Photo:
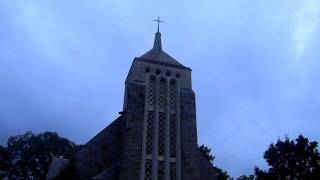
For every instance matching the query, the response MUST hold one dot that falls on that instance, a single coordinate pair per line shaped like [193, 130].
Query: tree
[291, 159]
[206, 152]
[244, 177]
[222, 175]
[30, 154]
[4, 162]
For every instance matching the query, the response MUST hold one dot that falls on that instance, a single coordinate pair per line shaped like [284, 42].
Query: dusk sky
[255, 67]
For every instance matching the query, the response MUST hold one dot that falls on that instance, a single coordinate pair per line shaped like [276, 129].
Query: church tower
[155, 138]
[163, 79]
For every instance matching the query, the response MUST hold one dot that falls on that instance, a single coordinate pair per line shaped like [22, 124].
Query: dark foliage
[206, 152]
[291, 159]
[4, 158]
[244, 177]
[30, 154]
[222, 175]
[68, 173]
[4, 162]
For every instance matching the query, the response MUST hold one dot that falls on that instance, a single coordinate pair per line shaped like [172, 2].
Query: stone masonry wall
[194, 165]
[133, 133]
[101, 152]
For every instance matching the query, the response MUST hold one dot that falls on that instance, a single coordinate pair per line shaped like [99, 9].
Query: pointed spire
[157, 46]
[156, 53]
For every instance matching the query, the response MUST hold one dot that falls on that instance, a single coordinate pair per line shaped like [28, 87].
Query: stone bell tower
[155, 138]
[163, 79]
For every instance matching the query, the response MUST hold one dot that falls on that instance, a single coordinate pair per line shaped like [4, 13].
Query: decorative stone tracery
[172, 135]
[149, 135]
[160, 173]
[173, 175]
[151, 91]
[148, 169]
[161, 129]
[161, 132]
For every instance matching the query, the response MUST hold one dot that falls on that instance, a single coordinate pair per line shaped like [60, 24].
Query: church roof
[157, 54]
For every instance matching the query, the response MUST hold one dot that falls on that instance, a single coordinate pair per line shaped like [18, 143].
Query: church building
[155, 136]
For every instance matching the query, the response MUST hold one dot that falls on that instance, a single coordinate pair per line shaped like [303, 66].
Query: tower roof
[157, 54]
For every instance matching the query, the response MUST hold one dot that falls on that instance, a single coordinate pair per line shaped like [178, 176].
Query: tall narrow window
[172, 96]
[150, 119]
[151, 91]
[161, 137]
[148, 169]
[149, 135]
[160, 170]
[162, 117]
[173, 174]
[172, 130]
[162, 94]
[172, 135]
[150, 115]
[172, 119]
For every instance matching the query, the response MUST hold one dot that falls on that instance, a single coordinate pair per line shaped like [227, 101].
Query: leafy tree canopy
[30, 154]
[291, 159]
[207, 153]
[4, 160]
[244, 177]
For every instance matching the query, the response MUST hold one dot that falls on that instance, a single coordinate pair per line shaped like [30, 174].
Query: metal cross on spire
[158, 21]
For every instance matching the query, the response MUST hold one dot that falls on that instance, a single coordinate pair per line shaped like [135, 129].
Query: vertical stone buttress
[132, 133]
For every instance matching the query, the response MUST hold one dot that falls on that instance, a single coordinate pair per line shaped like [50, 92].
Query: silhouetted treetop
[291, 159]
[30, 154]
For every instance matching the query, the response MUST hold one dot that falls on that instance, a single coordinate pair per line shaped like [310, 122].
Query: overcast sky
[256, 68]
